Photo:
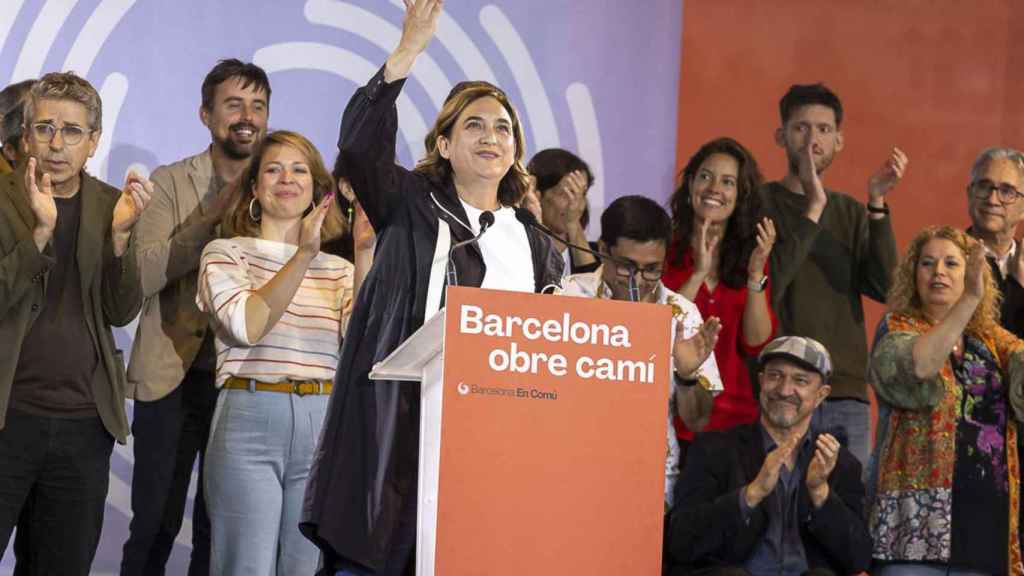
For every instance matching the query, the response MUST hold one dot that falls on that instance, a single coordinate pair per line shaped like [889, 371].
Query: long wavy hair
[740, 236]
[904, 299]
[438, 169]
[241, 222]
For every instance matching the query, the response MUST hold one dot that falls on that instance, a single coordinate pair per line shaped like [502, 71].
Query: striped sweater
[305, 342]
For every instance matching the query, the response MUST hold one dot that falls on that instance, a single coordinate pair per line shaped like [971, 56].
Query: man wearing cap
[777, 496]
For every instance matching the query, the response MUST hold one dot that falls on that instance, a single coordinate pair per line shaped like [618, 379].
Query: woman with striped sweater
[279, 307]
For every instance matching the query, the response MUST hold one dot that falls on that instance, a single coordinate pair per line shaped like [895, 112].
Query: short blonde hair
[241, 223]
[904, 299]
[436, 167]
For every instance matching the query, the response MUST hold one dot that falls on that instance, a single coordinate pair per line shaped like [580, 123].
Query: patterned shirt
[304, 343]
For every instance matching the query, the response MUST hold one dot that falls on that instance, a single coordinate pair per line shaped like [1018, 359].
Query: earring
[252, 210]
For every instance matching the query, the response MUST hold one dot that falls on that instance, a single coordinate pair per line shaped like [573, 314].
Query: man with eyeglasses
[67, 274]
[779, 496]
[995, 207]
[635, 232]
[173, 361]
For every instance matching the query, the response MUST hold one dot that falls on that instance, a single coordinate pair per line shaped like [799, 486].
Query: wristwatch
[700, 380]
[757, 286]
[883, 210]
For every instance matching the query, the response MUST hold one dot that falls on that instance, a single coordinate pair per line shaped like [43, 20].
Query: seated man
[777, 496]
[636, 230]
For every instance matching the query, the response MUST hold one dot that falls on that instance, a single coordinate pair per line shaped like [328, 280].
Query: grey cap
[807, 352]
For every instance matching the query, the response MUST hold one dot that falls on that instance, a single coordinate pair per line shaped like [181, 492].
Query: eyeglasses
[982, 189]
[43, 133]
[649, 274]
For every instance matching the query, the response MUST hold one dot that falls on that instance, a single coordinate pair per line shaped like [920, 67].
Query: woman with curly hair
[718, 259]
[945, 472]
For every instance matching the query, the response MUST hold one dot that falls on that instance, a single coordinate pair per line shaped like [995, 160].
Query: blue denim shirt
[781, 550]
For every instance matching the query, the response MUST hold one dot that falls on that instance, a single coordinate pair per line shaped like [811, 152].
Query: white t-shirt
[506, 250]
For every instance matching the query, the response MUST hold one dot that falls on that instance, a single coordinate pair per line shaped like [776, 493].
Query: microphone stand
[527, 218]
[451, 275]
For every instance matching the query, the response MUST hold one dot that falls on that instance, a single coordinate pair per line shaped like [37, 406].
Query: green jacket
[110, 288]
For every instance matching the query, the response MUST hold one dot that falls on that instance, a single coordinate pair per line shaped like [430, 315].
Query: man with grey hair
[67, 274]
[11, 118]
[779, 496]
[995, 208]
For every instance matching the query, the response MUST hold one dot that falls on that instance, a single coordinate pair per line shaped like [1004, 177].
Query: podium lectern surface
[542, 434]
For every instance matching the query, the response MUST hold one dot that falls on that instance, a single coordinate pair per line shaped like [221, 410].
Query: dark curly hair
[740, 232]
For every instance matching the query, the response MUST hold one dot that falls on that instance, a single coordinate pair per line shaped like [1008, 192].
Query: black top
[57, 358]
[981, 490]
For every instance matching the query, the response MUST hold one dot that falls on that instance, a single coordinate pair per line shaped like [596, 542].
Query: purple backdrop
[599, 78]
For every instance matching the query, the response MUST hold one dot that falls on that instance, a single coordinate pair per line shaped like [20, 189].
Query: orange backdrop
[940, 79]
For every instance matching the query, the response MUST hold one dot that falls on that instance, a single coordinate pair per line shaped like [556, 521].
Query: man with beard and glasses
[831, 250]
[173, 363]
[780, 496]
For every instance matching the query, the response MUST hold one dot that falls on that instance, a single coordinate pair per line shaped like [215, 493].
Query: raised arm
[165, 252]
[370, 123]
[225, 291]
[934, 346]
[758, 321]
[122, 294]
[24, 266]
[877, 250]
[267, 304]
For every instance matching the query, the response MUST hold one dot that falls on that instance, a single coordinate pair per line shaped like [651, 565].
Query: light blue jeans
[257, 462]
[852, 418]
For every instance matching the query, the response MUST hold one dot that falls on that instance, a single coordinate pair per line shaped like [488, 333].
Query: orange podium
[542, 434]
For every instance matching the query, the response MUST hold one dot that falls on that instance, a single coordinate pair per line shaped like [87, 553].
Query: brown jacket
[170, 238]
[110, 287]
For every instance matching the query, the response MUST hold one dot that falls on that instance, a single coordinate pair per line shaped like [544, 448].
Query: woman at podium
[360, 506]
[278, 305]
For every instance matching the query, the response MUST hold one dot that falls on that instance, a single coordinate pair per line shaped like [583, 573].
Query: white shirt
[1002, 262]
[506, 250]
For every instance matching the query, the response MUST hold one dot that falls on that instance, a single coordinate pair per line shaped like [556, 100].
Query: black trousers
[65, 465]
[169, 434]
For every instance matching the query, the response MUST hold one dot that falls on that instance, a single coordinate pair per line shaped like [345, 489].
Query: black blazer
[366, 463]
[706, 528]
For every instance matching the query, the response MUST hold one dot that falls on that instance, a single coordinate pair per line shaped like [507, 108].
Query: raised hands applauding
[137, 193]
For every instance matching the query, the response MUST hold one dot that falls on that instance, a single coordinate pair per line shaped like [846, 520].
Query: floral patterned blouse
[945, 476]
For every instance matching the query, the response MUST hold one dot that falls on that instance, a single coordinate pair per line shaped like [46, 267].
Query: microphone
[528, 219]
[486, 221]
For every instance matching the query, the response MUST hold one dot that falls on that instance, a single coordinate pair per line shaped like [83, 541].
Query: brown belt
[300, 387]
